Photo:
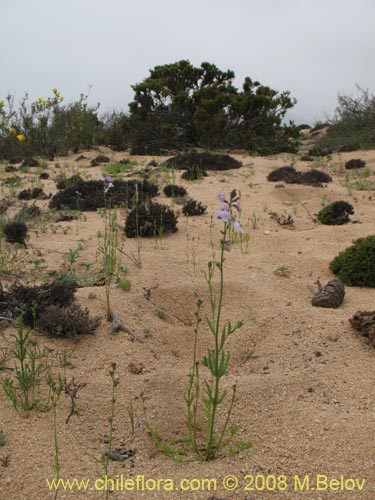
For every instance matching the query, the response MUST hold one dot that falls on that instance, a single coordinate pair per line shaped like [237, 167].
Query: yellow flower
[61, 98]
[41, 100]
[1, 102]
[20, 137]
[13, 131]
[54, 90]
[5, 122]
[6, 135]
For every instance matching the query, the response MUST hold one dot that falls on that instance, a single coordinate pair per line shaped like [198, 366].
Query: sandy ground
[305, 380]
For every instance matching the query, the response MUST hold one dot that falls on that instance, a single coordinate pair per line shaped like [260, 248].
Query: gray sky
[314, 48]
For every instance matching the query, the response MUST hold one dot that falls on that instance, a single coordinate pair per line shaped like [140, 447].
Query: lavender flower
[221, 197]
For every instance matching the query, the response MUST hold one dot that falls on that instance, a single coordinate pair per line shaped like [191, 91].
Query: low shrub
[319, 151]
[99, 159]
[66, 182]
[355, 163]
[15, 232]
[29, 212]
[69, 322]
[10, 168]
[30, 162]
[32, 301]
[364, 323]
[150, 220]
[172, 190]
[30, 194]
[44, 175]
[290, 175]
[194, 173]
[205, 160]
[193, 207]
[355, 266]
[90, 195]
[336, 213]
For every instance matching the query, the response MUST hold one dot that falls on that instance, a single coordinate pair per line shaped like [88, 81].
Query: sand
[305, 379]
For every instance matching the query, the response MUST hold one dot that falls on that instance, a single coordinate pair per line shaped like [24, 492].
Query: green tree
[180, 105]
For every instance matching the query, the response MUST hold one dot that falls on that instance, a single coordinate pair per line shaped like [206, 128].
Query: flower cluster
[108, 184]
[226, 212]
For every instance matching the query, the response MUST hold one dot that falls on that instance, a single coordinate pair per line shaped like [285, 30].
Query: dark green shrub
[336, 213]
[64, 183]
[99, 159]
[151, 220]
[68, 322]
[30, 194]
[10, 168]
[194, 173]
[314, 178]
[15, 232]
[30, 162]
[355, 266]
[89, 195]
[44, 175]
[286, 174]
[205, 160]
[319, 151]
[32, 301]
[355, 163]
[348, 148]
[290, 175]
[193, 207]
[172, 190]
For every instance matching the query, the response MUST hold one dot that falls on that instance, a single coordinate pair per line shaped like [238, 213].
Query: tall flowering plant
[217, 358]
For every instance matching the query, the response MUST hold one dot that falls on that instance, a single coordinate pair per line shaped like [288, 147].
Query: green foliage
[47, 126]
[172, 190]
[180, 105]
[150, 220]
[90, 195]
[22, 391]
[355, 266]
[193, 207]
[352, 127]
[336, 213]
[205, 160]
[15, 232]
[67, 322]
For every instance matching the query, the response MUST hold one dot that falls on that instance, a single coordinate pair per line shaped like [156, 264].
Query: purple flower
[221, 197]
[108, 178]
[237, 227]
[237, 206]
[222, 215]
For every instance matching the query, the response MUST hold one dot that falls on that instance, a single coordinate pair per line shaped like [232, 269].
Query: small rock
[331, 295]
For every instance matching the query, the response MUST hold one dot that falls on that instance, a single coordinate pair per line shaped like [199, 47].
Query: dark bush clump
[32, 301]
[355, 266]
[67, 182]
[306, 158]
[290, 175]
[318, 151]
[193, 207]
[364, 323]
[172, 190]
[194, 173]
[10, 168]
[336, 213]
[355, 163]
[99, 159]
[206, 161]
[286, 174]
[30, 194]
[15, 232]
[44, 175]
[15, 160]
[70, 322]
[348, 148]
[314, 178]
[30, 162]
[151, 220]
[89, 195]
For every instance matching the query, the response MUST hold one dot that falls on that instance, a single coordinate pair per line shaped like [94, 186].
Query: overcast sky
[314, 48]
